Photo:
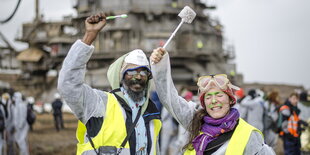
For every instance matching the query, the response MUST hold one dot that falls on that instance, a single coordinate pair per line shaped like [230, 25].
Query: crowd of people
[264, 111]
[275, 119]
[16, 118]
[134, 119]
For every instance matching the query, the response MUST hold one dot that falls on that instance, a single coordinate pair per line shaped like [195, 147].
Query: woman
[272, 105]
[214, 129]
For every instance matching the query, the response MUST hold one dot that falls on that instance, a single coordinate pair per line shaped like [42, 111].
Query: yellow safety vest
[113, 130]
[238, 141]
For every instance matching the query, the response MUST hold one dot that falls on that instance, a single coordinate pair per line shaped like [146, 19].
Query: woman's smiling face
[217, 103]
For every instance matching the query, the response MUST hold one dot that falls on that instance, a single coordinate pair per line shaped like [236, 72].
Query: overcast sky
[271, 37]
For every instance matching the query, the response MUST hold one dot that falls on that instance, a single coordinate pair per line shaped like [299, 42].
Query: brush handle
[173, 34]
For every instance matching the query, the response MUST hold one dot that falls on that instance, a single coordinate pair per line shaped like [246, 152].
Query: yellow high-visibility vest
[238, 141]
[113, 130]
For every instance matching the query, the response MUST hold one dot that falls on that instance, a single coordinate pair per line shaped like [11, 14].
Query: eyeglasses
[219, 80]
[134, 72]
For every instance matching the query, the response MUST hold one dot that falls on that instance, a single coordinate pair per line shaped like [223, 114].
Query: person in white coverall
[2, 134]
[167, 132]
[9, 123]
[216, 128]
[254, 109]
[20, 123]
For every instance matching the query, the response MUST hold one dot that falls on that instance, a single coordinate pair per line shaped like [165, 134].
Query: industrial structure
[196, 50]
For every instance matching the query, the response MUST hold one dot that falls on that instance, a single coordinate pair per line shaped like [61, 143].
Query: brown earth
[45, 140]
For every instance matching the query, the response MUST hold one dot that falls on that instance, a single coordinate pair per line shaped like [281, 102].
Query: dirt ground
[45, 140]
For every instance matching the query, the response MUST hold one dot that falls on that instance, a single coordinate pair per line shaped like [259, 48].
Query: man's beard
[136, 96]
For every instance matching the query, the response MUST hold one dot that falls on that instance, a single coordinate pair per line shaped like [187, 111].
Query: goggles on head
[220, 80]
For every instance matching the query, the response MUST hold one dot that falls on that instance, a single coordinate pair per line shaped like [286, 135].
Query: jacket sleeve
[84, 101]
[256, 145]
[247, 102]
[176, 105]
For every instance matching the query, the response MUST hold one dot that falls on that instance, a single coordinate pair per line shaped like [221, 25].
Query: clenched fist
[157, 54]
[93, 25]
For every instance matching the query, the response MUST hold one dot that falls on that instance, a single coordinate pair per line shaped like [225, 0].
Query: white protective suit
[271, 137]
[2, 140]
[180, 141]
[20, 123]
[167, 132]
[254, 111]
[9, 125]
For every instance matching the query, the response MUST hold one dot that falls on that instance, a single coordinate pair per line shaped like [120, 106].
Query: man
[57, 105]
[106, 119]
[31, 116]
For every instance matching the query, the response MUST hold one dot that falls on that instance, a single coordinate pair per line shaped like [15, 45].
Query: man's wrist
[89, 37]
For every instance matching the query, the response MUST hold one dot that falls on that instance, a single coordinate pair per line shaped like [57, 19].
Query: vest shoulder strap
[129, 124]
[240, 138]
[284, 107]
[217, 143]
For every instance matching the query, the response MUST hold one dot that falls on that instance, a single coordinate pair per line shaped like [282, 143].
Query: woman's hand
[157, 54]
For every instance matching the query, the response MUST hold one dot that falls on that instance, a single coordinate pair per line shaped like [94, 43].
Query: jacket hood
[114, 78]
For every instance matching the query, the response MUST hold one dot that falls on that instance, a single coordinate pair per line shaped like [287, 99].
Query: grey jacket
[254, 111]
[183, 111]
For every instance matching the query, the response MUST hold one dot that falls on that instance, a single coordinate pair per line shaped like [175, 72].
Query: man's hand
[157, 54]
[93, 26]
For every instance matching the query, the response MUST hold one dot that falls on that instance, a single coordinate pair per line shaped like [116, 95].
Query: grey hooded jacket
[84, 101]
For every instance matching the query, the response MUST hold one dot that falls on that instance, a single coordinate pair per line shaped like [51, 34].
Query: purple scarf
[212, 128]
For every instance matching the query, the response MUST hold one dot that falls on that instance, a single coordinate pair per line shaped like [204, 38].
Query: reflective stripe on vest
[292, 125]
[111, 133]
[238, 141]
[155, 129]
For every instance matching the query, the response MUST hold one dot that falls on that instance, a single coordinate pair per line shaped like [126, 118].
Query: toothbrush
[118, 16]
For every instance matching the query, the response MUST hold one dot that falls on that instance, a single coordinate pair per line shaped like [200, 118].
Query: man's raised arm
[82, 99]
